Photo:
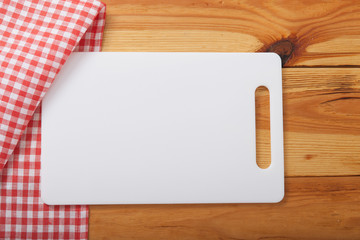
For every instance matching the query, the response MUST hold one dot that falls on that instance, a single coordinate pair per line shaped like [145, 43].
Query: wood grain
[321, 121]
[319, 43]
[262, 125]
[304, 33]
[314, 208]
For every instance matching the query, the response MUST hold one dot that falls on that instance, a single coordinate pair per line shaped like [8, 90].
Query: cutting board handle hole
[262, 116]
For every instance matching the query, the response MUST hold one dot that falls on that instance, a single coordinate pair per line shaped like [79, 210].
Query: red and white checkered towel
[36, 37]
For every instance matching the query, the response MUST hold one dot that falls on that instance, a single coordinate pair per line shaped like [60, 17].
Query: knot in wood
[284, 48]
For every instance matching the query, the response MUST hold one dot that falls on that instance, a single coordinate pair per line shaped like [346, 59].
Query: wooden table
[319, 43]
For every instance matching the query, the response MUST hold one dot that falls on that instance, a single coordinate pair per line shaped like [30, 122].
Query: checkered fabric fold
[36, 37]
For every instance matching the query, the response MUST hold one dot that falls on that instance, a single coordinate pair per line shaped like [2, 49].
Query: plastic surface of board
[144, 128]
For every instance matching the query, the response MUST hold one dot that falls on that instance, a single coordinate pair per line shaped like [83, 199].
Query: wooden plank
[321, 121]
[321, 117]
[313, 208]
[303, 32]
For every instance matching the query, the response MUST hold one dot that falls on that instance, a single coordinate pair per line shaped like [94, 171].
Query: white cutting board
[143, 128]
